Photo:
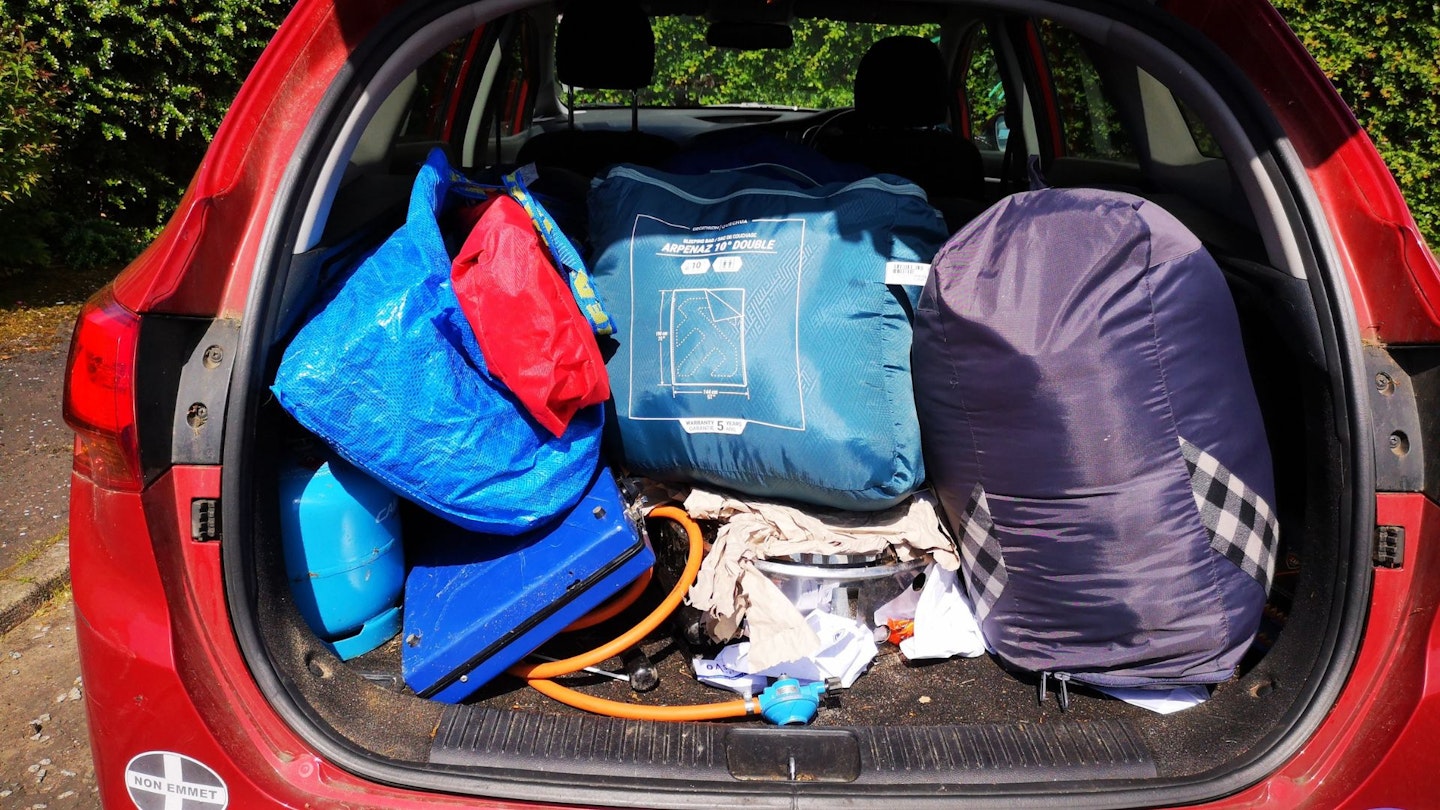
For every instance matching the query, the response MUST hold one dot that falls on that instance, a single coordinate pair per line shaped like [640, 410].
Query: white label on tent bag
[907, 274]
[730, 427]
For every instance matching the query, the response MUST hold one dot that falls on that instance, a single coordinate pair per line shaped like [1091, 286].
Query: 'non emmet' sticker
[907, 274]
[163, 780]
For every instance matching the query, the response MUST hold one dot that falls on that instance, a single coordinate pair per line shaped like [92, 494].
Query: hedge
[137, 88]
[28, 142]
[1384, 58]
[106, 106]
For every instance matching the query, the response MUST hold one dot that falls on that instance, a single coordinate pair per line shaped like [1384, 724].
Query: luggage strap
[567, 258]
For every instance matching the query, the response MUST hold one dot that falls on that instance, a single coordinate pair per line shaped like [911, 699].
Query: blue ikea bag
[388, 373]
[764, 330]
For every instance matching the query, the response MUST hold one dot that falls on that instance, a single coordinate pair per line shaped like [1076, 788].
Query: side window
[984, 93]
[1205, 142]
[425, 117]
[504, 95]
[1090, 125]
[477, 96]
[413, 119]
[510, 99]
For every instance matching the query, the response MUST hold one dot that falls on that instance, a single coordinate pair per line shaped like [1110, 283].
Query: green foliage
[1384, 57]
[27, 115]
[28, 121]
[106, 106]
[137, 89]
[1091, 123]
[984, 91]
[818, 73]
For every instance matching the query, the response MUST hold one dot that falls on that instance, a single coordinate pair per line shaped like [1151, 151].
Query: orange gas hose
[632, 711]
[538, 675]
[612, 608]
[636, 634]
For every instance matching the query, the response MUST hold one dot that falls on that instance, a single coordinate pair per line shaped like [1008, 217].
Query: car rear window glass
[817, 72]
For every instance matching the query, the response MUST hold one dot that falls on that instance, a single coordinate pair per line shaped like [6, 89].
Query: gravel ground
[44, 739]
[35, 448]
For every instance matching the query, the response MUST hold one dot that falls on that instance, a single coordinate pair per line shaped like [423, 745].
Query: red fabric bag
[533, 336]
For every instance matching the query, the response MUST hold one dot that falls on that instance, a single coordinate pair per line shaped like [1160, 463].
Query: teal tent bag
[764, 330]
[388, 372]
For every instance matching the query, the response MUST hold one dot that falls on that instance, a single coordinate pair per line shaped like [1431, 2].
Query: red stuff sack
[533, 336]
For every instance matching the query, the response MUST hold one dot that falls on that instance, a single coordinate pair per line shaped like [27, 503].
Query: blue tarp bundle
[388, 372]
[1092, 430]
[764, 329]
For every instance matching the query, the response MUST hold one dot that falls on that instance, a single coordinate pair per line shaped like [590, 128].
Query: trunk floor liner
[965, 714]
[908, 758]
[902, 725]
[893, 692]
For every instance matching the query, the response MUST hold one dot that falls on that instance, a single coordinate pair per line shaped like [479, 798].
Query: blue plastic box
[475, 604]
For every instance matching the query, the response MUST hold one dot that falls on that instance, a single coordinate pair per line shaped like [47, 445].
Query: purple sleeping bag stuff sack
[1090, 426]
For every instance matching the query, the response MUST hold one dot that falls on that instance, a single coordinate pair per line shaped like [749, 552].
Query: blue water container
[343, 555]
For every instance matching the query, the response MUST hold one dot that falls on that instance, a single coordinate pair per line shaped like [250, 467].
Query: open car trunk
[925, 731]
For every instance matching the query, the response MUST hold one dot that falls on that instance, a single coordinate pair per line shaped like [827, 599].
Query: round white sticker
[162, 780]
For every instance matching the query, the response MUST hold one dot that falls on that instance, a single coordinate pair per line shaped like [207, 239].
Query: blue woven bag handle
[565, 255]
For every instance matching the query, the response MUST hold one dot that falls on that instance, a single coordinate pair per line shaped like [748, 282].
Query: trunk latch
[1389, 546]
[780, 754]
[205, 519]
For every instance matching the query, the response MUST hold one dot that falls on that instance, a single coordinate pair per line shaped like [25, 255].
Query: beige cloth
[730, 590]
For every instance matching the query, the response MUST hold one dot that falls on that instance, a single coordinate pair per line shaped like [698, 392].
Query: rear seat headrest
[604, 46]
[901, 83]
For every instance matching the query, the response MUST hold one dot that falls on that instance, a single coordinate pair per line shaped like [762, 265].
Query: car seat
[600, 46]
[902, 101]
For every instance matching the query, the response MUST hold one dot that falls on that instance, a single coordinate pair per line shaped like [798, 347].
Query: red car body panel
[1368, 751]
[202, 262]
[163, 669]
[1394, 279]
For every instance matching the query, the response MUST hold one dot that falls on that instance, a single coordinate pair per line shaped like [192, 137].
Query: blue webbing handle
[565, 255]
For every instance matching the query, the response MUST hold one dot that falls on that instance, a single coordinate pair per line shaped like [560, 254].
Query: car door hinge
[205, 518]
[1389, 546]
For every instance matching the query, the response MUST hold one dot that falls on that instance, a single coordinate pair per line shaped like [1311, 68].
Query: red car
[206, 688]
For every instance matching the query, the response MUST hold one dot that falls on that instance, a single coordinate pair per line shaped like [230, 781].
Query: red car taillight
[100, 394]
